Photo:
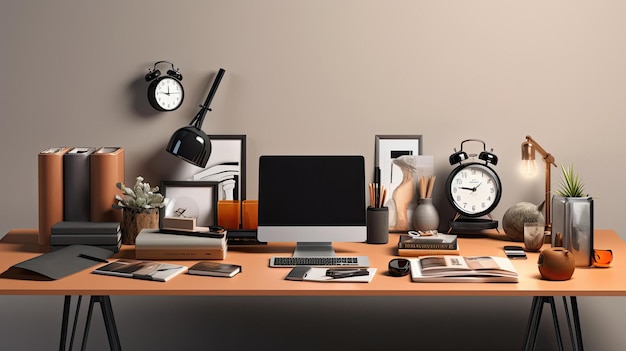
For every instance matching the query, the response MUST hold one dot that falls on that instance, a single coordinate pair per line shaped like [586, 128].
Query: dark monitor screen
[311, 191]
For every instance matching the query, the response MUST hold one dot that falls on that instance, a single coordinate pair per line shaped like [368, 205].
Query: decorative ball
[514, 218]
[556, 263]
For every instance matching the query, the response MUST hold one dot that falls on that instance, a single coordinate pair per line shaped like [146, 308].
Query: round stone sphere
[515, 216]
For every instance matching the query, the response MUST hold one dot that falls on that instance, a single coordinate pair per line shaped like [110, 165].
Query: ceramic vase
[134, 220]
[556, 263]
[425, 215]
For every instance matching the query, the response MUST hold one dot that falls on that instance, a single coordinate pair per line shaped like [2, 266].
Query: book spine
[60, 239]
[187, 254]
[106, 169]
[76, 189]
[50, 189]
[425, 252]
[427, 246]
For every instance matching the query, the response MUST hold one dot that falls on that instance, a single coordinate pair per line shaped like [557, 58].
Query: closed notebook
[214, 269]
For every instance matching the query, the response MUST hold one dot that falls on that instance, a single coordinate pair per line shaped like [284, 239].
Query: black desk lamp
[190, 143]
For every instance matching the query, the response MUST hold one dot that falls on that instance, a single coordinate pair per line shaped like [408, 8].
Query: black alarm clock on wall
[165, 93]
[473, 189]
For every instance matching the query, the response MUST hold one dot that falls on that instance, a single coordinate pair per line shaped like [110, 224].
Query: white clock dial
[474, 189]
[168, 94]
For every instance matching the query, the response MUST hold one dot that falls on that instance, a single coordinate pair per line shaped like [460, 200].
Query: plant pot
[572, 227]
[556, 263]
[134, 220]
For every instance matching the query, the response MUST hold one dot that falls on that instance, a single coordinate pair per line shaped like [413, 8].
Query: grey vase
[425, 215]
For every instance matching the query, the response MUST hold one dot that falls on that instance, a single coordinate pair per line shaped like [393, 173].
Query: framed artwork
[191, 199]
[395, 155]
[226, 166]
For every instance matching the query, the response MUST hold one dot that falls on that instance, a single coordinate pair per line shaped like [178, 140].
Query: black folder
[63, 262]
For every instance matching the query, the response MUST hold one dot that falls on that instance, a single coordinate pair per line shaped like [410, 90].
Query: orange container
[228, 213]
[250, 217]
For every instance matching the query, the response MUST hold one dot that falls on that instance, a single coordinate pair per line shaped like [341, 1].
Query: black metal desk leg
[579, 335]
[109, 322]
[64, 322]
[533, 324]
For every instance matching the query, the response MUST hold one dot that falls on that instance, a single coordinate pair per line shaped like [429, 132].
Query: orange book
[106, 170]
[50, 188]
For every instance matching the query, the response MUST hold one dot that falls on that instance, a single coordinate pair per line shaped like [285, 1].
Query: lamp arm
[547, 157]
[199, 118]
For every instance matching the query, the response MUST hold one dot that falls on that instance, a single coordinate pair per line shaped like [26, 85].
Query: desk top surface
[257, 279]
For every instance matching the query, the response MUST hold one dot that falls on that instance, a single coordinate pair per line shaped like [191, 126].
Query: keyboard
[321, 261]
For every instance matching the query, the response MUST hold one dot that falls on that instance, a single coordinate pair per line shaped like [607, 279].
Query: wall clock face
[166, 94]
[473, 189]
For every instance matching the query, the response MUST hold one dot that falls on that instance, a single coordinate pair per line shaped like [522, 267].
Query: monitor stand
[314, 249]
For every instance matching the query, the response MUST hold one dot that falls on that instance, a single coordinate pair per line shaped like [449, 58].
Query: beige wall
[324, 77]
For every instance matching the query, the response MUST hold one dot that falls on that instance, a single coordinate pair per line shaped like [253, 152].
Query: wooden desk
[257, 279]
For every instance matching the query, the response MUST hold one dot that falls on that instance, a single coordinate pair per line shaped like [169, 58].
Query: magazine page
[146, 270]
[457, 269]
[436, 265]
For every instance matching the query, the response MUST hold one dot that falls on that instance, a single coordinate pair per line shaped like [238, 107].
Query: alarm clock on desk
[473, 189]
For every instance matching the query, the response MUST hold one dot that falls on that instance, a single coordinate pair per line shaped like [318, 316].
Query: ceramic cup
[533, 236]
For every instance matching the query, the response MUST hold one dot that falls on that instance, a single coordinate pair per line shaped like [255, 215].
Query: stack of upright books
[106, 235]
[155, 244]
[435, 244]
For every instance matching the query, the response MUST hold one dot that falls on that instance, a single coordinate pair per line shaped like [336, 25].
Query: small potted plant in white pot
[140, 205]
[572, 217]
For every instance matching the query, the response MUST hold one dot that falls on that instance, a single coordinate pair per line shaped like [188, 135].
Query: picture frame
[194, 199]
[388, 148]
[226, 166]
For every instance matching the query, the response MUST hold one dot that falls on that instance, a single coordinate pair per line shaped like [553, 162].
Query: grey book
[77, 227]
[85, 239]
[76, 184]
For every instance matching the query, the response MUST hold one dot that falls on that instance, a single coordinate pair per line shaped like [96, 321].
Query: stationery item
[377, 225]
[63, 262]
[76, 184]
[106, 168]
[104, 234]
[50, 184]
[470, 269]
[214, 269]
[427, 245]
[137, 269]
[335, 275]
[70, 227]
[152, 244]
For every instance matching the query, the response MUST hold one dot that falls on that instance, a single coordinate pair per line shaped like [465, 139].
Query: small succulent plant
[571, 185]
[141, 196]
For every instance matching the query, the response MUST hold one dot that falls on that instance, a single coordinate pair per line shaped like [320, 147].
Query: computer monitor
[313, 201]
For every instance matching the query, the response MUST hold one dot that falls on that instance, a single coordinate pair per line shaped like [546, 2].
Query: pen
[93, 258]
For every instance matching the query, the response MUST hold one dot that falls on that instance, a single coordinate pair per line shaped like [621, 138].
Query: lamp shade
[191, 144]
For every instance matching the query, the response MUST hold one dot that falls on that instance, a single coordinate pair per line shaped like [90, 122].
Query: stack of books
[435, 244]
[154, 244]
[105, 235]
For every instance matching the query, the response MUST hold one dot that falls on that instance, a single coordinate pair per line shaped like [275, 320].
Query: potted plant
[140, 205]
[572, 217]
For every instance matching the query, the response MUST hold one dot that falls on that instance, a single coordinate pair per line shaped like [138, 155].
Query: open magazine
[454, 269]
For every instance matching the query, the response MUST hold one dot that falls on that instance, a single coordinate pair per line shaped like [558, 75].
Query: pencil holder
[377, 225]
